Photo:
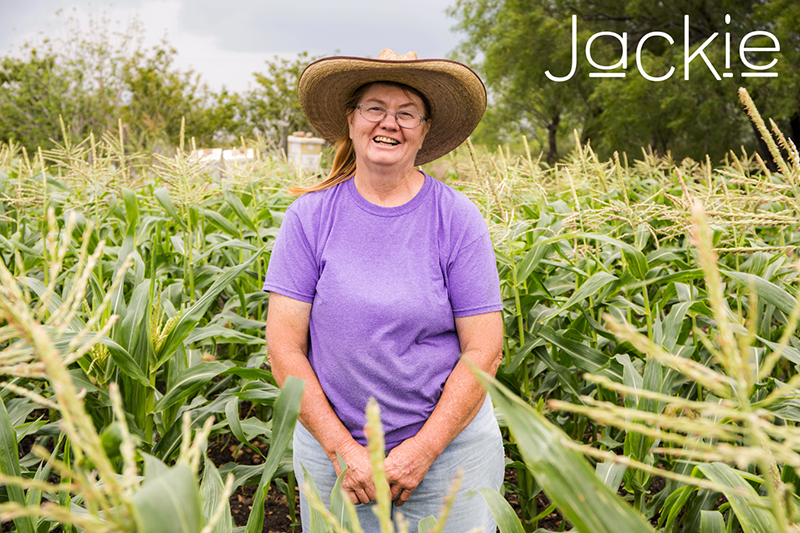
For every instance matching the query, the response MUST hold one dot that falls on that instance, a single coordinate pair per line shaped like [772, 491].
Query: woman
[383, 284]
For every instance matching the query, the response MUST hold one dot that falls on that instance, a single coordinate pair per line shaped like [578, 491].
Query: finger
[363, 497]
[395, 491]
[403, 498]
[369, 489]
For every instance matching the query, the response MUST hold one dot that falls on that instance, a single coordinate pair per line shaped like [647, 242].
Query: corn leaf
[503, 513]
[9, 466]
[153, 466]
[342, 509]
[232, 416]
[711, 522]
[190, 318]
[221, 222]
[162, 195]
[750, 508]
[286, 409]
[610, 473]
[429, 525]
[563, 473]
[585, 357]
[211, 489]
[190, 381]
[119, 355]
[169, 503]
[591, 287]
[238, 207]
[634, 258]
[765, 289]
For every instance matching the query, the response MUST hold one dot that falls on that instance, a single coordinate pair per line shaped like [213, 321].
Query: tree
[515, 43]
[92, 79]
[273, 108]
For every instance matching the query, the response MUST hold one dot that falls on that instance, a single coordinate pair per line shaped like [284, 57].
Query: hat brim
[456, 95]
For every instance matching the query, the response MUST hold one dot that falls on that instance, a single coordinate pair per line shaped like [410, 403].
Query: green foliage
[93, 78]
[514, 42]
[273, 107]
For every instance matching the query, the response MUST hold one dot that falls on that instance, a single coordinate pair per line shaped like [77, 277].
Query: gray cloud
[227, 44]
[354, 27]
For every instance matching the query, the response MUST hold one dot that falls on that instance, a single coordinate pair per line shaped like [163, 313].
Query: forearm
[316, 413]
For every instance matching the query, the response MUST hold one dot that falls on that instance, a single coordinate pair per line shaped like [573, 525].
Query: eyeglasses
[376, 113]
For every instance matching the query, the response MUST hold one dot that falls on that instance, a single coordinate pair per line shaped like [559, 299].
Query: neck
[388, 188]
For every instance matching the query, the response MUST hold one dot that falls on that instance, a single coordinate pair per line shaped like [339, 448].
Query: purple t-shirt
[385, 284]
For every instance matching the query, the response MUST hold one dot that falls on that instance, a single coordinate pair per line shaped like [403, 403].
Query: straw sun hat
[455, 93]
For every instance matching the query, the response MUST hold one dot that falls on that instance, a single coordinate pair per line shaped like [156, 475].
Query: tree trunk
[552, 128]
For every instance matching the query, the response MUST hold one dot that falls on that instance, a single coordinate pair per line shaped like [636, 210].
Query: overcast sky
[226, 42]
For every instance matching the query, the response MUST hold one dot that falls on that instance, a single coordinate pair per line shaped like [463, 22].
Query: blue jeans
[477, 450]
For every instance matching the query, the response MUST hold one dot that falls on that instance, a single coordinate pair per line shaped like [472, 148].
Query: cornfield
[649, 380]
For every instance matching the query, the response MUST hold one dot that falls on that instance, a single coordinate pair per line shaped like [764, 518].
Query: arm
[481, 339]
[287, 349]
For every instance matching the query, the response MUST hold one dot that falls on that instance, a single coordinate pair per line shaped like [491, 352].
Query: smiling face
[385, 143]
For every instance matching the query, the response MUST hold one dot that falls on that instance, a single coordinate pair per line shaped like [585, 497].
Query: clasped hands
[405, 466]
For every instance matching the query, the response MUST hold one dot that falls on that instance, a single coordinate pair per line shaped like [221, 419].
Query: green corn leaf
[430, 524]
[591, 287]
[131, 207]
[190, 318]
[631, 379]
[634, 258]
[153, 466]
[563, 473]
[251, 474]
[566, 378]
[238, 207]
[221, 222]
[790, 353]
[162, 195]
[750, 508]
[503, 513]
[673, 324]
[136, 318]
[342, 509]
[9, 466]
[169, 503]
[232, 416]
[286, 409]
[318, 523]
[610, 473]
[222, 335]
[767, 290]
[705, 500]
[711, 522]
[211, 489]
[39, 288]
[34, 496]
[585, 357]
[190, 381]
[531, 259]
[119, 355]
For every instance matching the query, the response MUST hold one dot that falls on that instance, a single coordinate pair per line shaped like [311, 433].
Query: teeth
[386, 140]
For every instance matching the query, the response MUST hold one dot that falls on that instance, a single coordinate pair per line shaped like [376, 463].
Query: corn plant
[91, 493]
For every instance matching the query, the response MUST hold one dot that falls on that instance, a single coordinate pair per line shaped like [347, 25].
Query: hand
[406, 466]
[357, 482]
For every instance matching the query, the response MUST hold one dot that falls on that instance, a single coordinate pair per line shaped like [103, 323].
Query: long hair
[344, 162]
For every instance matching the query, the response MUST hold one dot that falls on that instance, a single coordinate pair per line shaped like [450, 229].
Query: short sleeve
[473, 282]
[292, 269]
